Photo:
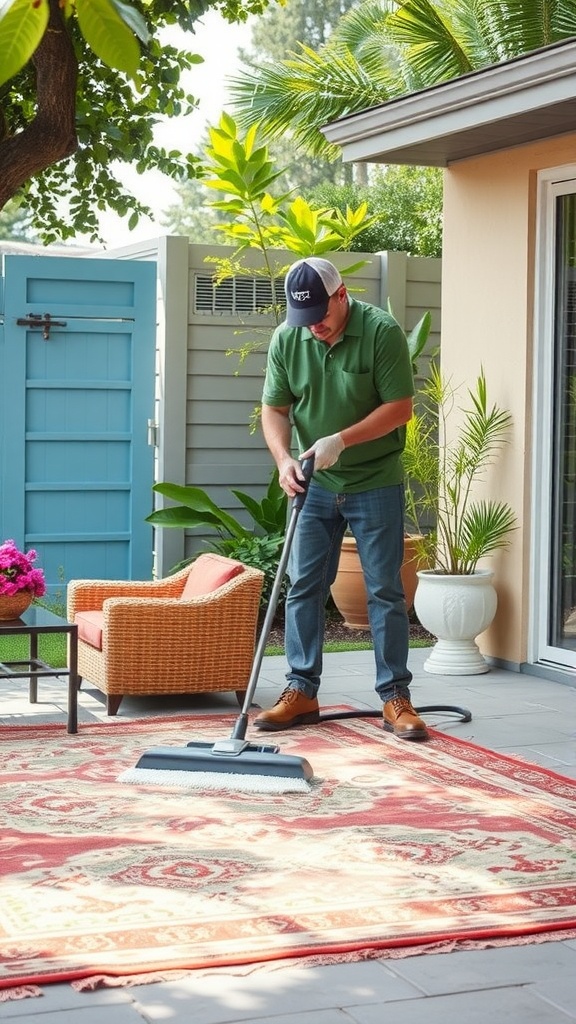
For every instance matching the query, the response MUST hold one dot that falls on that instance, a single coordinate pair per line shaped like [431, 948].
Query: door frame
[551, 183]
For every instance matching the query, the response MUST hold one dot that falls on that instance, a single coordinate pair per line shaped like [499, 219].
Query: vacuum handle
[307, 466]
[241, 726]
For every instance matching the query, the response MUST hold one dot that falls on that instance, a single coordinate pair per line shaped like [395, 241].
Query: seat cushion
[209, 572]
[90, 626]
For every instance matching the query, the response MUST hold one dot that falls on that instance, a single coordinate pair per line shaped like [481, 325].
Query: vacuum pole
[235, 756]
[241, 726]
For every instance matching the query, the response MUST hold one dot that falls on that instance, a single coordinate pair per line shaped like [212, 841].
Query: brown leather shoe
[292, 708]
[401, 719]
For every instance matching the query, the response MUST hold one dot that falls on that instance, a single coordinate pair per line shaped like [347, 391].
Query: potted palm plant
[455, 599]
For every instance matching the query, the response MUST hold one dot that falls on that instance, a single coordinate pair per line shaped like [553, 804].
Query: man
[339, 375]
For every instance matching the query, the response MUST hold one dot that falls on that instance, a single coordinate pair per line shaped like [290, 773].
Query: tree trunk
[361, 174]
[51, 135]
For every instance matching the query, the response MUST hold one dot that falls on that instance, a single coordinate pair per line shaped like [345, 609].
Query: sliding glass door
[554, 416]
[563, 539]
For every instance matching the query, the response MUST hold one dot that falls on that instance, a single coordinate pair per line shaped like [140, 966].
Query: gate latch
[38, 322]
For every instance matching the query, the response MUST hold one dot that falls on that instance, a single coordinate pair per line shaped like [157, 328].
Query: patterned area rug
[396, 845]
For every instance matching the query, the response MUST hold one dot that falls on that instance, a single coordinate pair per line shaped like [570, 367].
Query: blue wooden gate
[77, 361]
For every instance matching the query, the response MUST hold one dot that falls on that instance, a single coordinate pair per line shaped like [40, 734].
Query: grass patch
[330, 647]
[52, 649]
[339, 646]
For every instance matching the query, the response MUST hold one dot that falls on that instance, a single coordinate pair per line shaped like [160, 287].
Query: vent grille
[236, 296]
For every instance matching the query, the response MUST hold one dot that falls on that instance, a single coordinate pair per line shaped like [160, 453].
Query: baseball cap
[309, 285]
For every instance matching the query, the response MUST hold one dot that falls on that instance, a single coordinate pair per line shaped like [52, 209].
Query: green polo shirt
[330, 387]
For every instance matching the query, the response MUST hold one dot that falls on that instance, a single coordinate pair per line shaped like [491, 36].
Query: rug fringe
[226, 781]
[20, 992]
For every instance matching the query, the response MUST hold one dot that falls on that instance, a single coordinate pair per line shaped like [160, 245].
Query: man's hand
[290, 476]
[326, 451]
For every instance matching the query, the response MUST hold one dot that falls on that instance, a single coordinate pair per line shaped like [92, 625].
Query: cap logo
[300, 296]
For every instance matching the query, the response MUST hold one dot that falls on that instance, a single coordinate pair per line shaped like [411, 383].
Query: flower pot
[349, 590]
[13, 605]
[455, 609]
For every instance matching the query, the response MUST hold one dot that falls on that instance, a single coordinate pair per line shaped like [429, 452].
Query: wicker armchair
[187, 633]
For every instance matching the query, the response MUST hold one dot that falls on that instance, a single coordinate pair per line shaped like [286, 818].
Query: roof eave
[500, 106]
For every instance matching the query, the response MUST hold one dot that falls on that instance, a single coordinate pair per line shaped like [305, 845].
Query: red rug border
[218, 715]
[296, 955]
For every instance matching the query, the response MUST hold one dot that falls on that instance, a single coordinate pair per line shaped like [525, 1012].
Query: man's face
[332, 326]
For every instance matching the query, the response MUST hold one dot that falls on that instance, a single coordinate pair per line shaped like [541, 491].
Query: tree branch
[51, 135]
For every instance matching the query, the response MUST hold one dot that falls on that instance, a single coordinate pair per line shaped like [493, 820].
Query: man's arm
[277, 430]
[379, 422]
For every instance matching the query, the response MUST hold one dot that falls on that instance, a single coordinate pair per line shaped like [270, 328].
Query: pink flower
[17, 571]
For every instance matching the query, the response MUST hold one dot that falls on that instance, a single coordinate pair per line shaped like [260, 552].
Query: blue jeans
[376, 519]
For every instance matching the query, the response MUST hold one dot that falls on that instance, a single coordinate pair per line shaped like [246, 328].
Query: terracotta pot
[13, 605]
[349, 590]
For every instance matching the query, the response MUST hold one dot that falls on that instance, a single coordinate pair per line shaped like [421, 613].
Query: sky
[218, 43]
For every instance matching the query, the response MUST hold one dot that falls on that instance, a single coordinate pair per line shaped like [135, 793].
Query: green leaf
[228, 124]
[181, 518]
[22, 25]
[250, 139]
[268, 204]
[228, 205]
[270, 513]
[274, 514]
[485, 528]
[353, 268]
[107, 33]
[418, 337]
[134, 20]
[197, 500]
[251, 505]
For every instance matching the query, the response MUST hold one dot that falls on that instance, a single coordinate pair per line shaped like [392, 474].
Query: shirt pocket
[356, 389]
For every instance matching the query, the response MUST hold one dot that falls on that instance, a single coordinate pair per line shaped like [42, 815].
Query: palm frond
[362, 31]
[302, 93]
[564, 22]
[483, 432]
[518, 27]
[430, 46]
[485, 527]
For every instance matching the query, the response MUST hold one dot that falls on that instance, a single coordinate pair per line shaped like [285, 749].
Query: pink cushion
[209, 572]
[90, 626]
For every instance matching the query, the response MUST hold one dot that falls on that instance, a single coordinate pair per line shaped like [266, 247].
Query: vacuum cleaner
[235, 756]
[225, 763]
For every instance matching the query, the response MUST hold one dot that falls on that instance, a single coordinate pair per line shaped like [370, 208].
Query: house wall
[487, 320]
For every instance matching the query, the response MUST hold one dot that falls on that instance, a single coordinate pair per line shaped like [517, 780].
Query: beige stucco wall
[487, 311]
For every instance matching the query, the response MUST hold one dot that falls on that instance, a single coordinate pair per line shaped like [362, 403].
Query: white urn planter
[455, 609]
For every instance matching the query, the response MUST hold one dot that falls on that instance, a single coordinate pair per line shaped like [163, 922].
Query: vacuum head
[227, 764]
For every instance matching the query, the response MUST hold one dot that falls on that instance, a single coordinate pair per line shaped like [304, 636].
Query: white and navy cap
[309, 285]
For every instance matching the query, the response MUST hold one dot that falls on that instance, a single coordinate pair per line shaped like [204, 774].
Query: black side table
[34, 621]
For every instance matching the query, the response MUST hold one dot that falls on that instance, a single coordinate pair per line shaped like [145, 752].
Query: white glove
[326, 451]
